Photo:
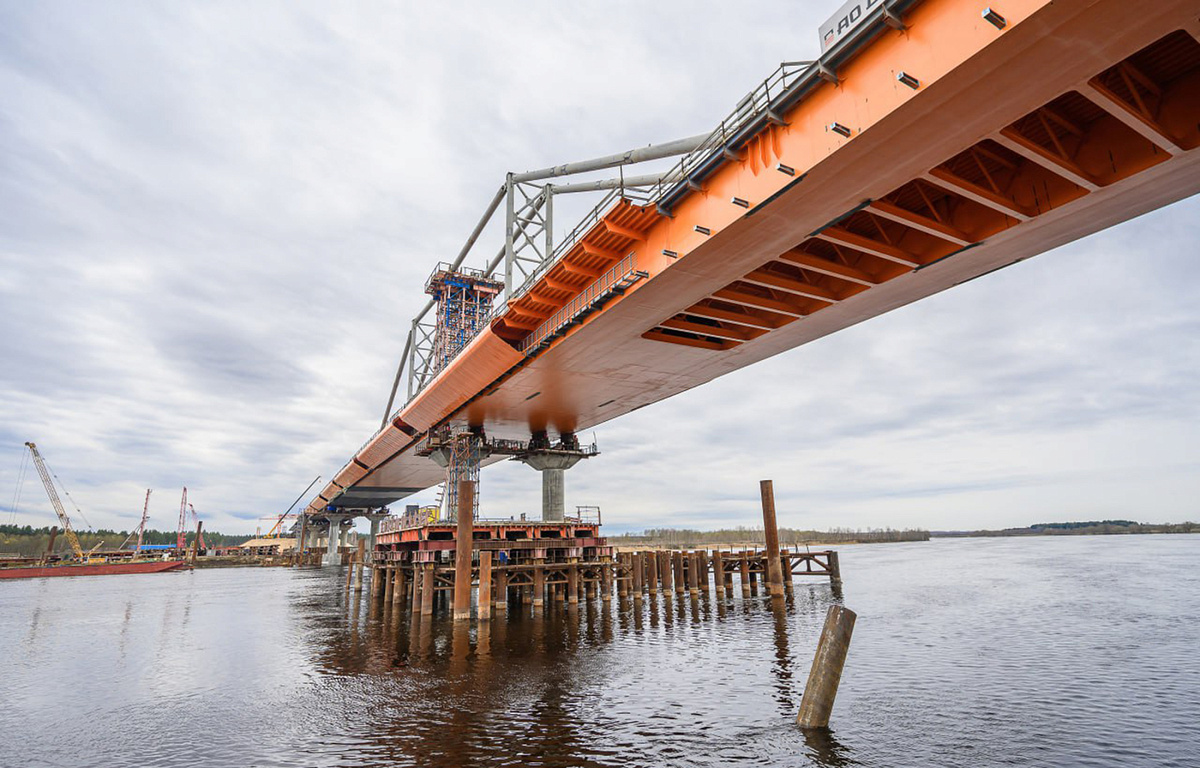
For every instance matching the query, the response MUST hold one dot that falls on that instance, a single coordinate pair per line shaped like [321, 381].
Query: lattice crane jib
[44, 474]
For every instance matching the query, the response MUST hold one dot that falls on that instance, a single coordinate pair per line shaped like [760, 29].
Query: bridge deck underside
[1075, 117]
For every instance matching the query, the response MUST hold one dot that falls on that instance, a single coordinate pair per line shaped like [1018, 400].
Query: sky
[216, 221]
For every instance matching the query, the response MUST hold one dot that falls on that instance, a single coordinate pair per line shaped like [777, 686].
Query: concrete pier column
[771, 533]
[553, 494]
[484, 601]
[552, 462]
[332, 554]
[826, 672]
[463, 545]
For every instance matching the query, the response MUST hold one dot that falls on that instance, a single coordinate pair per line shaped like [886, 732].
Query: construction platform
[418, 537]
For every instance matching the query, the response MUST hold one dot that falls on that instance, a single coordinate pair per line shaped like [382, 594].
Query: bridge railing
[624, 269]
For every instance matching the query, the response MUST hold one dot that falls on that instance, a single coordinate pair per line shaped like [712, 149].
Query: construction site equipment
[286, 515]
[181, 530]
[142, 525]
[199, 542]
[65, 521]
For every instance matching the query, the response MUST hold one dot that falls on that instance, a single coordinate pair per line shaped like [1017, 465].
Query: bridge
[933, 142]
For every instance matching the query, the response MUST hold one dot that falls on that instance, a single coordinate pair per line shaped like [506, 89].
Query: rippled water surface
[978, 652]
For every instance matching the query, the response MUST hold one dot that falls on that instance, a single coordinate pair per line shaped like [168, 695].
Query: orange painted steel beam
[734, 296]
[919, 222]
[791, 285]
[1013, 141]
[975, 80]
[858, 242]
[717, 331]
[764, 320]
[960, 186]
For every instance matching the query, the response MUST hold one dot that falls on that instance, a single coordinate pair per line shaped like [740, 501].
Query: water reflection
[825, 750]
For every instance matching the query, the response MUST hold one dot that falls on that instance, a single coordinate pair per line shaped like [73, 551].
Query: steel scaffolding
[464, 304]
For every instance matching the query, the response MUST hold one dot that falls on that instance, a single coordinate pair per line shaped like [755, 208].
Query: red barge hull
[89, 569]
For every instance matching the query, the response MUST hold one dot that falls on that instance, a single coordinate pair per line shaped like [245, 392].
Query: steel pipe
[639, 155]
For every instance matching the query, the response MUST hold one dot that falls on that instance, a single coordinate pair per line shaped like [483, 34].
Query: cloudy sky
[216, 220]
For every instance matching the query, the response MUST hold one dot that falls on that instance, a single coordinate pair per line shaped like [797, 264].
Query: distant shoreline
[1086, 528]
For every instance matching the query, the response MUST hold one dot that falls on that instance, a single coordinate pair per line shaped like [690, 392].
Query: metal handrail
[624, 268]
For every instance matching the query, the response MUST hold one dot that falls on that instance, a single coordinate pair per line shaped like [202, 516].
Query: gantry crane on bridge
[63, 520]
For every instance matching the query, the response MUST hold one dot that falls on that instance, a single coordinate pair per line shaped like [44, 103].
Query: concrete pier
[332, 548]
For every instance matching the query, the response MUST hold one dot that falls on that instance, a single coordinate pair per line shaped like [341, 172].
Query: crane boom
[181, 531]
[69, 532]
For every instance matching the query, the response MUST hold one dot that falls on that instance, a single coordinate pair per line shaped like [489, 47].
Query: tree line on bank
[788, 537]
[1083, 528]
[27, 541]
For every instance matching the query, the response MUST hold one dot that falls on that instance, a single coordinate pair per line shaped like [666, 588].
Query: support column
[417, 600]
[553, 494]
[835, 570]
[539, 586]
[573, 584]
[771, 534]
[401, 584]
[343, 537]
[639, 559]
[606, 576]
[744, 572]
[484, 601]
[652, 572]
[500, 599]
[693, 573]
[332, 556]
[623, 583]
[463, 544]
[427, 589]
[359, 557]
[665, 565]
[718, 572]
[375, 519]
[381, 580]
[679, 582]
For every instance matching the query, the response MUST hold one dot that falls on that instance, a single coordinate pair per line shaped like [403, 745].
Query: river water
[972, 652]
